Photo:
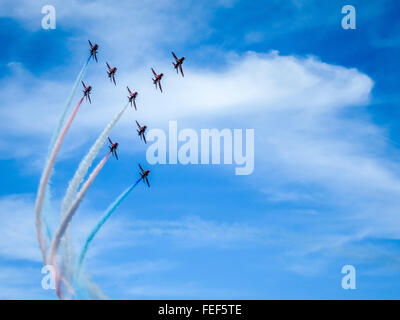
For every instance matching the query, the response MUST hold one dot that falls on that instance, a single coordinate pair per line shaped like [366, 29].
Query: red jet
[113, 148]
[144, 174]
[132, 97]
[178, 63]
[141, 131]
[93, 50]
[111, 72]
[157, 79]
[86, 92]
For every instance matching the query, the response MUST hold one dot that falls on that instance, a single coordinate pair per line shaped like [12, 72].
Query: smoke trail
[66, 220]
[101, 222]
[78, 178]
[87, 162]
[46, 209]
[88, 290]
[56, 133]
[45, 179]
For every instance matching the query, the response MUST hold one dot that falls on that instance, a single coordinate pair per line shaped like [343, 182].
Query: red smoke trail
[45, 180]
[66, 220]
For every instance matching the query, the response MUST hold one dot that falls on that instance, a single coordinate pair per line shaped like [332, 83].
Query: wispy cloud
[17, 230]
[314, 158]
[22, 282]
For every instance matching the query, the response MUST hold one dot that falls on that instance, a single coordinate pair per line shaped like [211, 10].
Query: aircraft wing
[174, 56]
[155, 74]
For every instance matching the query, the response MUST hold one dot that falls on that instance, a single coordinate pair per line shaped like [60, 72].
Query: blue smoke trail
[56, 133]
[101, 222]
[46, 210]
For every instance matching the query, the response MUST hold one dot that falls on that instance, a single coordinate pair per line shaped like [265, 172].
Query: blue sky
[322, 101]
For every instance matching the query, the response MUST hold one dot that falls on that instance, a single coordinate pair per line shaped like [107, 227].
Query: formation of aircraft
[178, 63]
[113, 148]
[132, 97]
[111, 73]
[144, 174]
[86, 92]
[157, 79]
[141, 131]
[93, 50]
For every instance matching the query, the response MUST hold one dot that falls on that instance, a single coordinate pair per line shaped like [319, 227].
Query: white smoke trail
[67, 219]
[44, 180]
[86, 289]
[86, 163]
[56, 134]
[76, 182]
[45, 197]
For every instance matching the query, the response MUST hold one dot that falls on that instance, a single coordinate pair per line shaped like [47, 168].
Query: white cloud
[22, 282]
[296, 105]
[17, 229]
[130, 269]
[18, 242]
[18, 234]
[255, 84]
[194, 231]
